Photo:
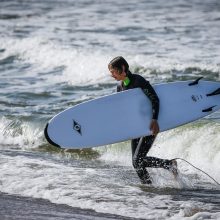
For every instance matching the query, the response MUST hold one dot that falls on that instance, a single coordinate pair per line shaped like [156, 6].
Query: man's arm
[151, 94]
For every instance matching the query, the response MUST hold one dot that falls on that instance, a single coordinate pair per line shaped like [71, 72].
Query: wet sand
[20, 208]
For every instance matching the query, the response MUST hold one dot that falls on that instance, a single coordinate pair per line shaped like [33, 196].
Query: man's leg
[157, 162]
[154, 162]
[140, 148]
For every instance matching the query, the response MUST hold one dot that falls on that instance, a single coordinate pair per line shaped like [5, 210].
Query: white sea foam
[194, 211]
[79, 67]
[93, 188]
[83, 67]
[17, 134]
[197, 144]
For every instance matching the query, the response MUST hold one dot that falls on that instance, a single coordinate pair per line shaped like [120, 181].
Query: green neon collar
[126, 81]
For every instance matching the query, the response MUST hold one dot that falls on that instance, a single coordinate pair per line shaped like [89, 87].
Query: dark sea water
[53, 55]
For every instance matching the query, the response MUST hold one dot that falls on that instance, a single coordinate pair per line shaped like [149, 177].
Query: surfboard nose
[46, 135]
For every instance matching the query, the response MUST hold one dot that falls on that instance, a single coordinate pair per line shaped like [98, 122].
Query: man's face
[117, 75]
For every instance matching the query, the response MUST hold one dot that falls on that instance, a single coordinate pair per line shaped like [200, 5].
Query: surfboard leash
[197, 169]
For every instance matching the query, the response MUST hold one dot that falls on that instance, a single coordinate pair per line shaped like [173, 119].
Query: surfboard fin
[208, 109]
[216, 92]
[195, 82]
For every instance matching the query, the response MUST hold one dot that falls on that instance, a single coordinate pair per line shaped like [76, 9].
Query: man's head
[118, 63]
[118, 68]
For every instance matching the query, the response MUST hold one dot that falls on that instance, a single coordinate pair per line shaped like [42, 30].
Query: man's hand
[154, 127]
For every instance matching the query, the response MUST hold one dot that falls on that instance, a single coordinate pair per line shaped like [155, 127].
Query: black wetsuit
[140, 147]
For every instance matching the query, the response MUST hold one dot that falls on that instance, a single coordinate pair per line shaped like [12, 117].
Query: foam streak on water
[54, 54]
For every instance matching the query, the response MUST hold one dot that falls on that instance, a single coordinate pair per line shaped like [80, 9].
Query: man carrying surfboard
[119, 70]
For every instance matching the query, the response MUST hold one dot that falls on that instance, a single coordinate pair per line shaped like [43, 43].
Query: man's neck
[126, 81]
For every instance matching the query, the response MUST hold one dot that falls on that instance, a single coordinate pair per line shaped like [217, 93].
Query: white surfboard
[127, 115]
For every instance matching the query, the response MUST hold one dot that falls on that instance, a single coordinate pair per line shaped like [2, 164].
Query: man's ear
[123, 69]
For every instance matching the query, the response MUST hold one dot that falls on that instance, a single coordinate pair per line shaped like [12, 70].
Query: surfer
[119, 70]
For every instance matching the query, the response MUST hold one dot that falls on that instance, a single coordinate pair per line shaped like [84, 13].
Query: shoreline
[15, 207]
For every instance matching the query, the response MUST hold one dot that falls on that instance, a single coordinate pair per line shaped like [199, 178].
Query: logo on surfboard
[77, 127]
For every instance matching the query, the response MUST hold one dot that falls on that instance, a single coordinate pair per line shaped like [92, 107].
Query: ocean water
[53, 55]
